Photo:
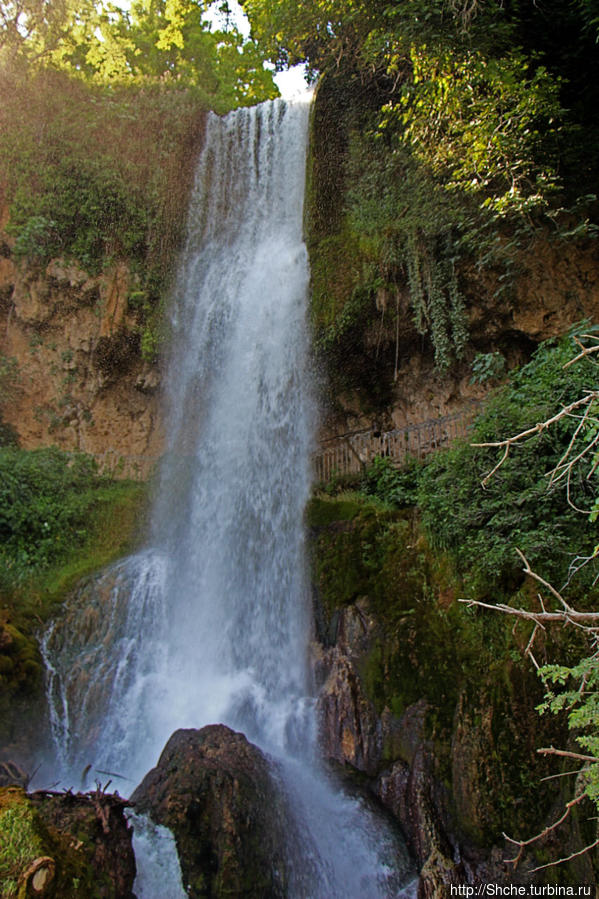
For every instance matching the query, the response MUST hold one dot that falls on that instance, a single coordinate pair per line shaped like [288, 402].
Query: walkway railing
[344, 454]
[352, 453]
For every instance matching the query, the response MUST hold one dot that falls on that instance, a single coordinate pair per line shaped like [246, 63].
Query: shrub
[50, 505]
[481, 525]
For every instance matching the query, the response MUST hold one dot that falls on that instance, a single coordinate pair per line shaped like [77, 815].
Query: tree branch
[551, 750]
[566, 858]
[532, 432]
[565, 616]
[543, 833]
[585, 351]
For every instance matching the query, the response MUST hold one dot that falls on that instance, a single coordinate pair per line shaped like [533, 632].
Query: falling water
[211, 623]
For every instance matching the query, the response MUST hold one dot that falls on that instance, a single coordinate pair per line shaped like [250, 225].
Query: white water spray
[211, 624]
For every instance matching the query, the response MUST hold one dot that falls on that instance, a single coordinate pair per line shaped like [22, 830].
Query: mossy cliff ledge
[434, 712]
[64, 845]
[74, 372]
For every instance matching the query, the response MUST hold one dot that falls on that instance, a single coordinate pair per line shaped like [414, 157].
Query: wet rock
[217, 794]
[350, 731]
[438, 874]
[414, 796]
[90, 832]
[474, 774]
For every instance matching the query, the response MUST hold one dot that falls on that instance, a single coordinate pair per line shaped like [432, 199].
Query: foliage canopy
[102, 113]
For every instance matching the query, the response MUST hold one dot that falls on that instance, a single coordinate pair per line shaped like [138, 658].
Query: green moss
[115, 520]
[119, 517]
[115, 516]
[426, 646]
[336, 269]
[322, 510]
[20, 662]
[367, 548]
[344, 279]
[62, 830]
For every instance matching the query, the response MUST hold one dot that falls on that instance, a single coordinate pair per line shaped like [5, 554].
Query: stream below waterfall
[211, 621]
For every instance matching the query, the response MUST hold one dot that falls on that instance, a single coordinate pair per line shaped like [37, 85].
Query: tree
[37, 28]
[155, 41]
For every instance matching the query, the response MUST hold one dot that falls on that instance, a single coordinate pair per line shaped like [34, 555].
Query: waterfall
[210, 623]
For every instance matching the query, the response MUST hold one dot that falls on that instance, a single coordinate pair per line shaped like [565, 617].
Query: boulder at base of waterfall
[64, 845]
[217, 794]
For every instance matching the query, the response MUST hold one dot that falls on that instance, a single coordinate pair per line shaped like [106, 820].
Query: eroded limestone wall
[77, 379]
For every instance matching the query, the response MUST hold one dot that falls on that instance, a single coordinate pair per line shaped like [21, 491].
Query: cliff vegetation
[101, 121]
[450, 142]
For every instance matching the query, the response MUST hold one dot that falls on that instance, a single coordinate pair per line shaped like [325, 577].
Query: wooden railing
[352, 453]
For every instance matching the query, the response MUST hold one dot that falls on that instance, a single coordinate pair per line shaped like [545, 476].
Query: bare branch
[532, 638]
[560, 774]
[585, 350]
[537, 577]
[543, 833]
[551, 750]
[540, 618]
[566, 858]
[506, 444]
[486, 479]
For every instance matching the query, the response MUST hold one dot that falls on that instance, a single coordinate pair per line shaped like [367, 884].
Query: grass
[20, 842]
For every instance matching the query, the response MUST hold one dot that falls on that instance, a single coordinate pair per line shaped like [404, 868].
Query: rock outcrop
[217, 794]
[445, 740]
[381, 368]
[392, 751]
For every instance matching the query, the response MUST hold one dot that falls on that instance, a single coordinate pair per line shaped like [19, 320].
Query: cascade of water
[211, 624]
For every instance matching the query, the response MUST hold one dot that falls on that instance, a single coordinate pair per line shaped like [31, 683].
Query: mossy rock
[364, 548]
[67, 845]
[20, 661]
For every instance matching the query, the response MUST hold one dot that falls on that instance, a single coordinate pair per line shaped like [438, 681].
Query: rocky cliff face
[76, 378]
[379, 370]
[433, 711]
